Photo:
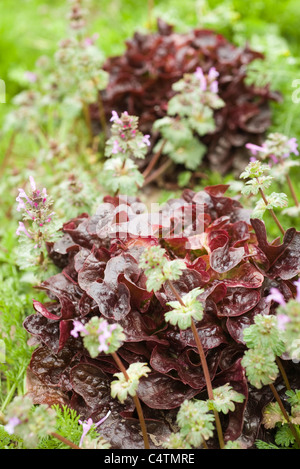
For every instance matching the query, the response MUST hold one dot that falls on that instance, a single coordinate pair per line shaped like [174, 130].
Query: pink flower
[90, 41]
[115, 117]
[23, 195]
[78, 327]
[87, 425]
[200, 75]
[255, 148]
[105, 331]
[12, 423]
[212, 74]
[22, 229]
[214, 87]
[293, 146]
[212, 79]
[276, 295]
[282, 320]
[116, 148]
[32, 183]
[146, 140]
[274, 159]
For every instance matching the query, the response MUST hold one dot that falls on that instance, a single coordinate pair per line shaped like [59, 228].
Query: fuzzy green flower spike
[195, 422]
[264, 333]
[190, 115]
[125, 145]
[260, 366]
[256, 184]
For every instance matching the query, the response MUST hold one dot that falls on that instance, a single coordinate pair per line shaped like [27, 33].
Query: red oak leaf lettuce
[225, 255]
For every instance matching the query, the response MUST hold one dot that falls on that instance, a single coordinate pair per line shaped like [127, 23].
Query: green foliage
[293, 397]
[15, 305]
[63, 421]
[195, 422]
[274, 419]
[182, 315]
[9, 442]
[254, 170]
[257, 184]
[265, 342]
[224, 399]
[119, 174]
[264, 445]
[264, 334]
[274, 200]
[95, 443]
[67, 425]
[272, 415]
[261, 368]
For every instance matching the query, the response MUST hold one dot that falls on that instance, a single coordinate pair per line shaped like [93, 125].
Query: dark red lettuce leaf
[113, 303]
[159, 391]
[284, 259]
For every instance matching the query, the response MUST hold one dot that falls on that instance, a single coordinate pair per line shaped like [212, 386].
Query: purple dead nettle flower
[115, 117]
[276, 295]
[146, 140]
[200, 75]
[293, 146]
[22, 229]
[255, 149]
[100, 328]
[212, 80]
[90, 41]
[20, 199]
[87, 425]
[35, 204]
[105, 330]
[276, 147]
[209, 81]
[116, 148]
[282, 320]
[78, 327]
[11, 425]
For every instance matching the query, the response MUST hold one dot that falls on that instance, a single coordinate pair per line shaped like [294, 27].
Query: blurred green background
[31, 28]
